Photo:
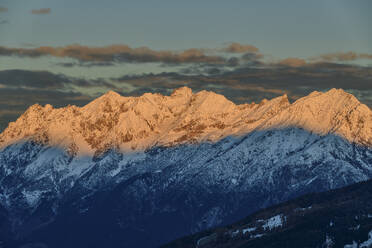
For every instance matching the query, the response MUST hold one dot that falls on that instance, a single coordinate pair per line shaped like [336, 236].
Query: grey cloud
[42, 11]
[37, 80]
[32, 79]
[240, 48]
[115, 54]
[292, 62]
[342, 56]
[84, 64]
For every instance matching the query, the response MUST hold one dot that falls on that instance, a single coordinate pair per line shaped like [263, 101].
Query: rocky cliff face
[125, 168]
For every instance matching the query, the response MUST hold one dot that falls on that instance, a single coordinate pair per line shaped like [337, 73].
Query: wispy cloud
[44, 80]
[342, 56]
[240, 48]
[3, 9]
[116, 53]
[42, 11]
[292, 62]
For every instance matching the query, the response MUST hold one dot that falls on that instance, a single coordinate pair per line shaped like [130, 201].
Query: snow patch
[303, 209]
[273, 222]
[256, 236]
[32, 197]
[328, 242]
[115, 171]
[235, 233]
[248, 230]
[368, 242]
[355, 228]
[353, 245]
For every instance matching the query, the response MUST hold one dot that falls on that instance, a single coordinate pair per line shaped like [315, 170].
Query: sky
[69, 52]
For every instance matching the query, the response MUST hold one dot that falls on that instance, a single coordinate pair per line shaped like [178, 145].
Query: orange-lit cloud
[292, 62]
[240, 48]
[343, 56]
[42, 11]
[3, 9]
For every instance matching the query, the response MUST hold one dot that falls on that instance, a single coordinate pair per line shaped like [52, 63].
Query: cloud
[42, 11]
[292, 62]
[342, 56]
[32, 79]
[44, 80]
[240, 48]
[115, 54]
[84, 64]
[3, 9]
[3, 21]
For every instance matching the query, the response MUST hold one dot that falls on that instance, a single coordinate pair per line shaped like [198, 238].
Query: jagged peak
[341, 94]
[108, 96]
[336, 91]
[334, 98]
[35, 106]
[48, 107]
[182, 91]
[103, 100]
[35, 109]
[111, 94]
[282, 100]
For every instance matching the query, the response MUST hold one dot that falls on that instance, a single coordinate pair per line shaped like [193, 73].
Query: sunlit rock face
[139, 123]
[161, 167]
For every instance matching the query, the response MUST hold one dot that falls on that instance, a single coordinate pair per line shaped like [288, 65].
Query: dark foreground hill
[336, 218]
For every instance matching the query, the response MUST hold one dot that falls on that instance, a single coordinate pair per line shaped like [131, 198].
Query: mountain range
[142, 171]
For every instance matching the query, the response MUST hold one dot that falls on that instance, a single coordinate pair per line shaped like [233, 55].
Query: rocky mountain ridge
[139, 123]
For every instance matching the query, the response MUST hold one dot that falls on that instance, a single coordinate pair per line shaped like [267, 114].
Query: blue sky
[229, 44]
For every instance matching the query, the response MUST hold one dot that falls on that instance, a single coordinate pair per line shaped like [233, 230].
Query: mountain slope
[335, 218]
[188, 161]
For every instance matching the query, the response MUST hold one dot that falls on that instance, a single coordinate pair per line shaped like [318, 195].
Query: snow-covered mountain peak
[183, 91]
[111, 94]
[334, 112]
[136, 123]
[337, 93]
